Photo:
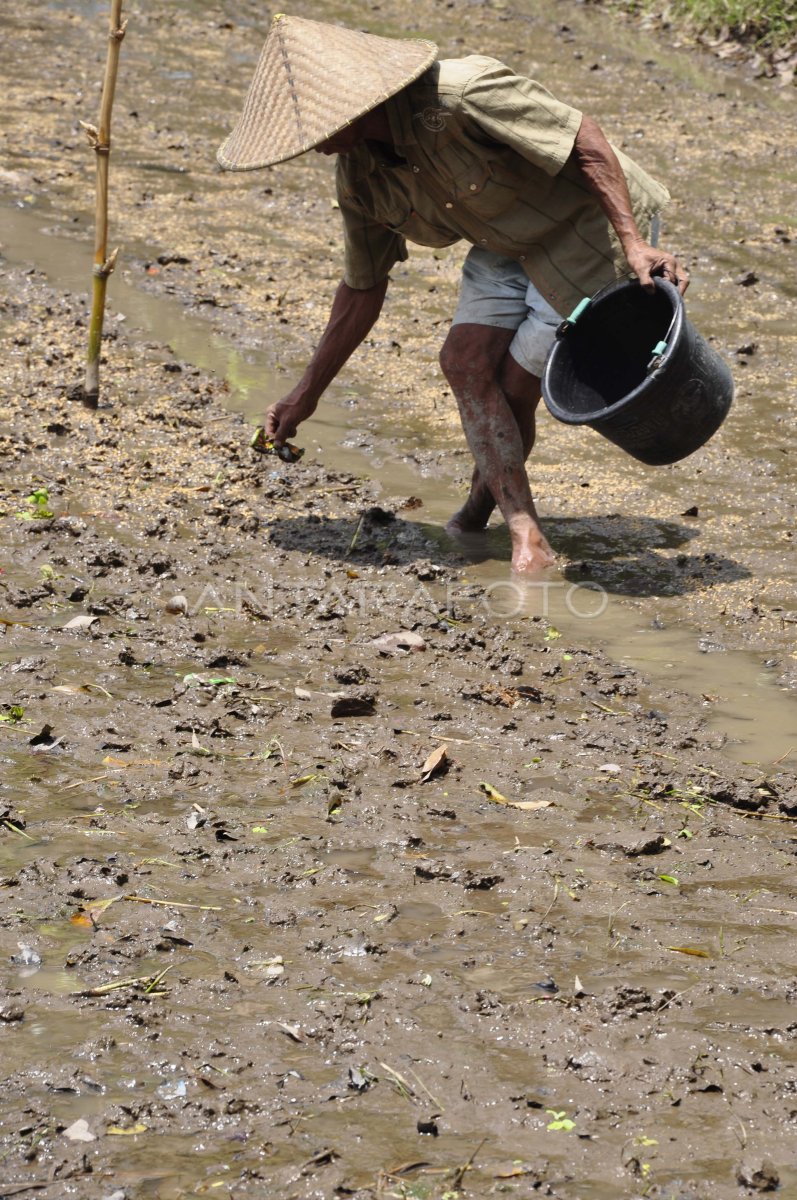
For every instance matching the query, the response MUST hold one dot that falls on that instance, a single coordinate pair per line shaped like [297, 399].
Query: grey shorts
[496, 291]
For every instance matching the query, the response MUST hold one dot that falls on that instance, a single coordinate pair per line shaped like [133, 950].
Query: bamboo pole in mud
[104, 263]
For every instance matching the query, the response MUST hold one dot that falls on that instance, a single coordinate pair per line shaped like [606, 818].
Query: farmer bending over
[434, 152]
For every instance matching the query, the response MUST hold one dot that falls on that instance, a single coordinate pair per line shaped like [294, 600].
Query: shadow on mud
[616, 552]
[621, 554]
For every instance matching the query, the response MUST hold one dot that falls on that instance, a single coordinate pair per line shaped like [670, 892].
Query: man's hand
[285, 417]
[353, 315]
[647, 261]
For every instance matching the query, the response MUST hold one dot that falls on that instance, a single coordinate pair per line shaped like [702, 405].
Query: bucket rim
[597, 418]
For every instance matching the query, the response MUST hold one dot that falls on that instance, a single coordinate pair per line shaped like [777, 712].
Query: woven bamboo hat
[312, 80]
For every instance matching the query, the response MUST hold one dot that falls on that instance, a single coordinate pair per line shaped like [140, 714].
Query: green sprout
[38, 506]
[560, 1123]
[14, 714]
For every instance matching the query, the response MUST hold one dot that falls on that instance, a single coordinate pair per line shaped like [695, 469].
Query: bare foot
[473, 516]
[530, 549]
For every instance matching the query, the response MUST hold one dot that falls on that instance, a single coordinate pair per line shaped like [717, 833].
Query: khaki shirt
[485, 155]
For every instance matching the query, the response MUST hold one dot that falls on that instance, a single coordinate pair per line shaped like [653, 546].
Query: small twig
[460, 1172]
[616, 913]
[743, 1138]
[353, 541]
[8, 1192]
[13, 828]
[677, 996]
[104, 989]
[82, 782]
[613, 712]
[754, 816]
[345, 487]
[175, 904]
[550, 906]
[433, 1099]
[156, 979]
[402, 1086]
[436, 737]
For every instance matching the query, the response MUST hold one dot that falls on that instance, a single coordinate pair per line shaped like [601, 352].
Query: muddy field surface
[329, 868]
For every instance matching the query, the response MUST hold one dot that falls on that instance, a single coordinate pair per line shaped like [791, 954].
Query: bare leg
[522, 391]
[482, 376]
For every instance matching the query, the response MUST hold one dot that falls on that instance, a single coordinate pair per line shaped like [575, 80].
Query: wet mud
[334, 862]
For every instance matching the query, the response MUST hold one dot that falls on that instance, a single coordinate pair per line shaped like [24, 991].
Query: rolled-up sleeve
[370, 249]
[520, 113]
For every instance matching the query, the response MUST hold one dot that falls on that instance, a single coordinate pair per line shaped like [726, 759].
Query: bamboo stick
[104, 263]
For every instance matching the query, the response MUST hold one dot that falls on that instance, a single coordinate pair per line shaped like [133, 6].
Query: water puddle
[743, 700]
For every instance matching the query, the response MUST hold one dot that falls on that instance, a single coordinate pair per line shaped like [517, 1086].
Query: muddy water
[743, 698]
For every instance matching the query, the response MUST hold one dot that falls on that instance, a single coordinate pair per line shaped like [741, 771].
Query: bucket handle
[658, 351]
[570, 321]
[584, 304]
[657, 357]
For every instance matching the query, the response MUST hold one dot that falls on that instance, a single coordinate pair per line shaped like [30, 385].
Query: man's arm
[605, 178]
[354, 313]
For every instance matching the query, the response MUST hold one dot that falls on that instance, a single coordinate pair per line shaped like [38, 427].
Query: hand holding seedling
[265, 445]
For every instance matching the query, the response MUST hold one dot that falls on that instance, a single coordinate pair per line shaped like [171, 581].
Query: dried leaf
[87, 916]
[272, 968]
[177, 605]
[292, 1031]
[492, 793]
[693, 950]
[436, 764]
[527, 805]
[195, 745]
[44, 739]
[197, 817]
[81, 622]
[399, 643]
[407, 1168]
[79, 1131]
[71, 689]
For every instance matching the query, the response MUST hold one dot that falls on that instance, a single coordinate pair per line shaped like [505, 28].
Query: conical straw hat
[312, 80]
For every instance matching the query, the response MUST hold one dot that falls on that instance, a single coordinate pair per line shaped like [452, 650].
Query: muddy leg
[496, 400]
[522, 391]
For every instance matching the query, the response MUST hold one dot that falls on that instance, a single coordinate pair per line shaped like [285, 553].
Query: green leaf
[560, 1123]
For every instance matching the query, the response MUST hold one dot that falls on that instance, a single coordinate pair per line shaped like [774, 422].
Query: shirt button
[522, 257]
[449, 204]
[416, 169]
[473, 187]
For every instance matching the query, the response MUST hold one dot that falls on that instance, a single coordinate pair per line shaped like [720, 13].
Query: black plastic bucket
[630, 365]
